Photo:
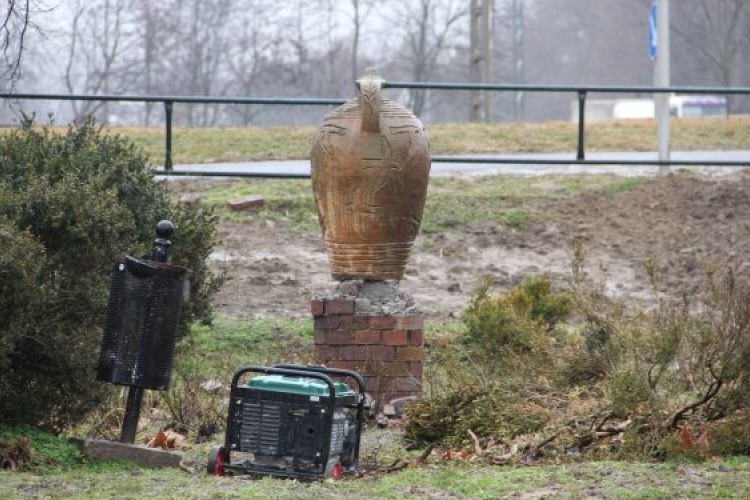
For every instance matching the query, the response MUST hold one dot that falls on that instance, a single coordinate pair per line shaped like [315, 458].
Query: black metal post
[164, 230]
[168, 105]
[132, 412]
[581, 123]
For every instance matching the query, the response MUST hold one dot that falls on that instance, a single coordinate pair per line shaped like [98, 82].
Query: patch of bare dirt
[681, 222]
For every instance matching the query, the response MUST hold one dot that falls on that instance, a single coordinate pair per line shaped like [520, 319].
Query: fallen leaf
[686, 439]
[11, 455]
[454, 455]
[173, 439]
[158, 441]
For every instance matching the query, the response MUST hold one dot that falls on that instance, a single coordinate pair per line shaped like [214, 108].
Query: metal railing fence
[581, 91]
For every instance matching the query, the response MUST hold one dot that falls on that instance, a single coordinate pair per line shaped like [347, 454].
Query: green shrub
[489, 410]
[70, 204]
[545, 305]
[513, 327]
[498, 372]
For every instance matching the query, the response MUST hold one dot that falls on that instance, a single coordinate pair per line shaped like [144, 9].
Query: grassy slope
[59, 471]
[455, 479]
[276, 143]
[78, 478]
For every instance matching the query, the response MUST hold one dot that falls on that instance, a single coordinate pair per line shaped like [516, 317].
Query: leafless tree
[361, 10]
[183, 46]
[148, 17]
[15, 24]
[714, 36]
[428, 28]
[583, 42]
[254, 33]
[510, 56]
[318, 47]
[100, 57]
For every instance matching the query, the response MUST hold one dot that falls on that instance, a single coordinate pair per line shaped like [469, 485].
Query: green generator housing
[294, 421]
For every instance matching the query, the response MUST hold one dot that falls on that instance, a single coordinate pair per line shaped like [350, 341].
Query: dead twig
[477, 447]
[607, 416]
[503, 459]
[711, 393]
[426, 453]
[544, 443]
[613, 430]
[396, 465]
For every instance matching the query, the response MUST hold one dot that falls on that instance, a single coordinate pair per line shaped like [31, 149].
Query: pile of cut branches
[620, 383]
[13, 455]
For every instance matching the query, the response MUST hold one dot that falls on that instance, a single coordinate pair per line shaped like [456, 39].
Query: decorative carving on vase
[370, 168]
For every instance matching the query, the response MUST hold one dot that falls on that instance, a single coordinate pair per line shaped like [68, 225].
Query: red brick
[367, 337]
[246, 202]
[354, 353]
[317, 308]
[416, 322]
[366, 367]
[382, 353]
[395, 337]
[409, 323]
[382, 322]
[339, 337]
[327, 352]
[339, 307]
[416, 337]
[353, 322]
[374, 385]
[321, 336]
[416, 369]
[397, 369]
[327, 322]
[190, 200]
[411, 353]
[340, 364]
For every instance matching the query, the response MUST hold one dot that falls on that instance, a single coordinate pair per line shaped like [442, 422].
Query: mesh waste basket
[142, 318]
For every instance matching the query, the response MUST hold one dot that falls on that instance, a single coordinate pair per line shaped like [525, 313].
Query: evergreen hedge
[71, 203]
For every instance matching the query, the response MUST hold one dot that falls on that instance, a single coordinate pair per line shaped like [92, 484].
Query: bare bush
[623, 382]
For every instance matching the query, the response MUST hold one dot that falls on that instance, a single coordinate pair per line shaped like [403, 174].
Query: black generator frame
[220, 458]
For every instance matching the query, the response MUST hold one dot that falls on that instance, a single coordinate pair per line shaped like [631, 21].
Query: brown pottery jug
[370, 168]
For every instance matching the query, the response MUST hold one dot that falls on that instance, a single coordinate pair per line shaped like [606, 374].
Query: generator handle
[285, 371]
[333, 371]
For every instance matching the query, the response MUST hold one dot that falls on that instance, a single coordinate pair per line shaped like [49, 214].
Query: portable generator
[292, 421]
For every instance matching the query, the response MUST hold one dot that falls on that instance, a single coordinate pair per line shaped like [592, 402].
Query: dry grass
[212, 145]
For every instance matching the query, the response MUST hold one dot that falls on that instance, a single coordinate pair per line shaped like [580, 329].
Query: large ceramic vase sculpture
[370, 167]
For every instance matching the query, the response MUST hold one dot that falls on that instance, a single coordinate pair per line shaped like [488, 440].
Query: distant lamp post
[660, 54]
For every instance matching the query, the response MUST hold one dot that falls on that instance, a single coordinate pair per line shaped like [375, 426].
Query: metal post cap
[164, 229]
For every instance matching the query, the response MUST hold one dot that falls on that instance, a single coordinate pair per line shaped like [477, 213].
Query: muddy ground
[682, 222]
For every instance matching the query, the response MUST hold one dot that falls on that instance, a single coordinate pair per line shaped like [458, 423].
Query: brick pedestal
[387, 350]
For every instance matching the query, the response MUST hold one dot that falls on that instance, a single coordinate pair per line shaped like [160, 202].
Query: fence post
[168, 105]
[581, 123]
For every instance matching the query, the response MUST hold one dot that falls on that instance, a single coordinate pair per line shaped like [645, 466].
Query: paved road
[526, 165]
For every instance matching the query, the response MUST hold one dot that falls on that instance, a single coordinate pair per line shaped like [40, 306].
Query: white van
[697, 106]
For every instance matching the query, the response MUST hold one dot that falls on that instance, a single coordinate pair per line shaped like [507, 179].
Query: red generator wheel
[215, 463]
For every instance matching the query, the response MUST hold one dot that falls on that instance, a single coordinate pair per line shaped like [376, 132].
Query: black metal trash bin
[142, 319]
